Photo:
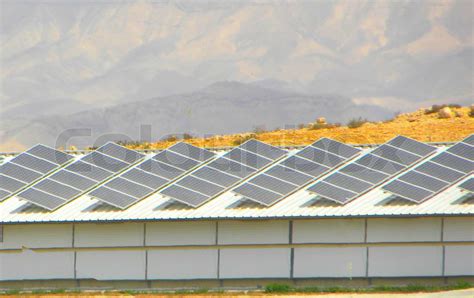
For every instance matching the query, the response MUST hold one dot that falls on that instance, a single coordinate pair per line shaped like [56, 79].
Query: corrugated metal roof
[302, 204]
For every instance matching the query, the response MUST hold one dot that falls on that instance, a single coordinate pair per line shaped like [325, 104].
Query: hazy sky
[61, 57]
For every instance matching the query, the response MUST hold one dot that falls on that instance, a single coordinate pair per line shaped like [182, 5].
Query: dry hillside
[423, 125]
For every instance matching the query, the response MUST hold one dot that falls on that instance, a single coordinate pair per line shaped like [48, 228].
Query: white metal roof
[302, 204]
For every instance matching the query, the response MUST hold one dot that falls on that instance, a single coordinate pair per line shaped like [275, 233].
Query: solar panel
[370, 170]
[219, 175]
[78, 177]
[438, 173]
[468, 185]
[150, 175]
[292, 173]
[29, 166]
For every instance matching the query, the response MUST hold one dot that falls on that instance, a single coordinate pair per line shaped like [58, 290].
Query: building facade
[220, 251]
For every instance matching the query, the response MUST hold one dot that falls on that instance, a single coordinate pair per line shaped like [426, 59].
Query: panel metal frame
[464, 186]
[329, 169]
[225, 189]
[43, 175]
[388, 176]
[184, 173]
[83, 192]
[449, 184]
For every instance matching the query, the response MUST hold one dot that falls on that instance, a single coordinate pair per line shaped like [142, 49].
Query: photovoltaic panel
[76, 178]
[370, 170]
[292, 173]
[150, 175]
[469, 140]
[438, 173]
[468, 185]
[219, 175]
[28, 167]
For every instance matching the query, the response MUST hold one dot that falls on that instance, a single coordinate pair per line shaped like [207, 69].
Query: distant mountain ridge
[221, 108]
[91, 54]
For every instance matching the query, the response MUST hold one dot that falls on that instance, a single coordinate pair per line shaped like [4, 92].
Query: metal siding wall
[255, 263]
[105, 235]
[37, 236]
[329, 231]
[36, 265]
[460, 260]
[182, 264]
[253, 232]
[404, 230]
[111, 265]
[181, 233]
[330, 262]
[405, 261]
[459, 229]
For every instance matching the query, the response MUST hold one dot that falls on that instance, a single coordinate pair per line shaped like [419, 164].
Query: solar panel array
[219, 175]
[440, 172]
[294, 172]
[28, 167]
[468, 185]
[372, 169]
[148, 176]
[81, 175]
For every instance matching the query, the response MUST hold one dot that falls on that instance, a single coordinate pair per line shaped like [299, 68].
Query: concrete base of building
[223, 284]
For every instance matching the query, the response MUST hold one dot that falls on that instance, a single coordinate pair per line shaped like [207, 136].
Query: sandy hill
[427, 125]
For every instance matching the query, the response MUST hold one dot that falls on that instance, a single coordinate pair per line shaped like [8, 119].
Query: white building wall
[403, 229]
[36, 265]
[255, 263]
[181, 233]
[330, 262]
[111, 265]
[108, 235]
[329, 231]
[182, 264]
[36, 236]
[103, 254]
[459, 229]
[253, 232]
[459, 260]
[399, 261]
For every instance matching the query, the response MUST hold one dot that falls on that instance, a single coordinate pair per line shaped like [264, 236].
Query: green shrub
[436, 108]
[315, 126]
[259, 129]
[357, 122]
[243, 139]
[171, 138]
[187, 136]
[278, 288]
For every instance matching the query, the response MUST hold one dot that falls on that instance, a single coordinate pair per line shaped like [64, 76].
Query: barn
[328, 229]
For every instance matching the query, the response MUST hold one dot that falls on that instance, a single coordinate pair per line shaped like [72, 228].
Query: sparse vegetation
[274, 288]
[187, 136]
[278, 288]
[356, 122]
[259, 129]
[417, 125]
[171, 138]
[315, 126]
[283, 288]
[437, 108]
[243, 139]
[129, 143]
